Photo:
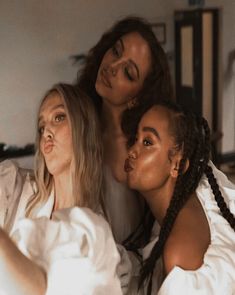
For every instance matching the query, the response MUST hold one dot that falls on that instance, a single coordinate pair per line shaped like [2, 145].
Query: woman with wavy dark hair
[121, 72]
[191, 249]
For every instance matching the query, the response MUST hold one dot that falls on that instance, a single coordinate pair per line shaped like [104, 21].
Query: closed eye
[115, 51]
[128, 75]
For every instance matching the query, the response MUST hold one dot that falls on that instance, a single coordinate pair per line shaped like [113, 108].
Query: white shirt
[76, 247]
[216, 276]
[123, 205]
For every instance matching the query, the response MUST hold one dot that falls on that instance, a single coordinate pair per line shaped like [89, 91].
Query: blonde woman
[65, 246]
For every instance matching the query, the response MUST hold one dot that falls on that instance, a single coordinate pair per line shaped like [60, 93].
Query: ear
[132, 103]
[175, 166]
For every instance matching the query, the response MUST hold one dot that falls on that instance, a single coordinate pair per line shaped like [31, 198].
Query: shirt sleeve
[15, 188]
[203, 282]
[217, 274]
[76, 249]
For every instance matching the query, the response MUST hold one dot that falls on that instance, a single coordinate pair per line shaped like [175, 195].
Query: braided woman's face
[149, 166]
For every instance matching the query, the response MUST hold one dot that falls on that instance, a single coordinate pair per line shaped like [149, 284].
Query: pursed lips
[105, 78]
[48, 146]
[127, 166]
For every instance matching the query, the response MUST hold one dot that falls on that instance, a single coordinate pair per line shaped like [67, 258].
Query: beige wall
[37, 38]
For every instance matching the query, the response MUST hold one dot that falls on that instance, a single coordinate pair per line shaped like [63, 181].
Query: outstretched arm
[18, 274]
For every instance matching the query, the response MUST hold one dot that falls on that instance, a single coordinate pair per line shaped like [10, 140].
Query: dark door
[196, 65]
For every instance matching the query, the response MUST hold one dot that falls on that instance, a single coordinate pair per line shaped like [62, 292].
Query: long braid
[193, 142]
[192, 137]
[215, 188]
[219, 198]
[177, 202]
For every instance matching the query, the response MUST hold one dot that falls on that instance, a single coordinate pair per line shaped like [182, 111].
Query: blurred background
[38, 39]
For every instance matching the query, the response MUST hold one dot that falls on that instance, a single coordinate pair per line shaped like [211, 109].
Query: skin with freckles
[123, 69]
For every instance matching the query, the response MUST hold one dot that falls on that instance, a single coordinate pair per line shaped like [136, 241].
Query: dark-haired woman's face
[123, 69]
[148, 165]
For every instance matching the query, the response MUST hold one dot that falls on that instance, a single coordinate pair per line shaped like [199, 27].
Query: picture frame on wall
[159, 30]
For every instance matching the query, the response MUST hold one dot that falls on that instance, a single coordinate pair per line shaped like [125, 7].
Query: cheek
[107, 58]
[123, 90]
[145, 169]
[66, 139]
[149, 161]
[152, 167]
[41, 144]
[127, 88]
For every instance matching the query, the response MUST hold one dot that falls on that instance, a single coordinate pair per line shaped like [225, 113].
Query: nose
[114, 66]
[132, 153]
[111, 69]
[47, 132]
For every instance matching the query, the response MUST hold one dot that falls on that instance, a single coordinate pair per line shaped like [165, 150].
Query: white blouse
[216, 276]
[76, 247]
[124, 207]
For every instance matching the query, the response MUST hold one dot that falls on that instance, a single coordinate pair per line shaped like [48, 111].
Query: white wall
[37, 38]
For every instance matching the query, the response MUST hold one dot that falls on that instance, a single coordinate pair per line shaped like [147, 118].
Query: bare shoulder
[187, 244]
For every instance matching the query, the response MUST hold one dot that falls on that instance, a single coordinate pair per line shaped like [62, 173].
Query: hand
[18, 274]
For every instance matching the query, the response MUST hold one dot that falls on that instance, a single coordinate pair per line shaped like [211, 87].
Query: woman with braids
[65, 246]
[121, 72]
[192, 246]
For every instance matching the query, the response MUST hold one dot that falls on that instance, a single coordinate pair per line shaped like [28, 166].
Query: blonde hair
[87, 172]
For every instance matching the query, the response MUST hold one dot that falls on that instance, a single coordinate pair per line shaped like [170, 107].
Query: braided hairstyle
[192, 137]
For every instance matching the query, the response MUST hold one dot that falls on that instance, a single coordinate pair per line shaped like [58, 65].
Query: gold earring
[131, 103]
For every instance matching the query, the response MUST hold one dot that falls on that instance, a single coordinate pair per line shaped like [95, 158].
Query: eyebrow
[131, 61]
[53, 109]
[152, 130]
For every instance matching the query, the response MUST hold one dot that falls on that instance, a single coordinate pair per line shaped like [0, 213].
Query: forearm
[17, 272]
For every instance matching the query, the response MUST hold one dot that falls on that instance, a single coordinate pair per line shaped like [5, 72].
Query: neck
[159, 200]
[63, 191]
[111, 118]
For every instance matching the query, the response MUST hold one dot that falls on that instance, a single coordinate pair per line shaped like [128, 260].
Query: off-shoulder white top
[216, 276]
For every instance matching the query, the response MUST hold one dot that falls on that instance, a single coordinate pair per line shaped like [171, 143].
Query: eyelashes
[58, 118]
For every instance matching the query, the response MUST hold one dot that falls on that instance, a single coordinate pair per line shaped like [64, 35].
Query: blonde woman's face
[55, 135]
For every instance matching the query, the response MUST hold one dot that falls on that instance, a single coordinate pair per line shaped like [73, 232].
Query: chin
[131, 184]
[99, 89]
[54, 169]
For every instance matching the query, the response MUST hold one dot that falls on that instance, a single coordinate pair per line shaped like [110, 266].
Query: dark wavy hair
[158, 80]
[192, 136]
